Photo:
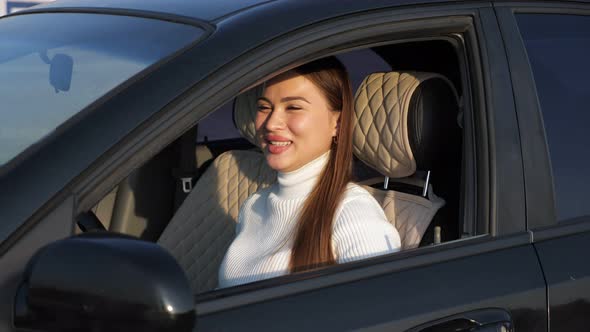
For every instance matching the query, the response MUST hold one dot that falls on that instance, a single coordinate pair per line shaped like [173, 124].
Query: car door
[549, 48]
[489, 280]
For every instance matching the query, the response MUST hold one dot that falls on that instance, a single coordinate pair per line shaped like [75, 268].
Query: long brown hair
[313, 238]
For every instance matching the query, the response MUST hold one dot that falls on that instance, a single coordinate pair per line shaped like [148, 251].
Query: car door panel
[568, 278]
[547, 45]
[506, 279]
[510, 279]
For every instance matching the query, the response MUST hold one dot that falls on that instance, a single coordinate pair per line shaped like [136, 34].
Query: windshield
[53, 65]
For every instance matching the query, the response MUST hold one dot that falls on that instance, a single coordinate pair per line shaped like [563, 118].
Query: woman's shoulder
[358, 201]
[355, 192]
[361, 229]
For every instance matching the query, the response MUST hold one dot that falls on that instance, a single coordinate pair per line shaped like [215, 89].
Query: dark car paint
[222, 9]
[560, 247]
[567, 273]
[155, 286]
[213, 11]
[197, 9]
[402, 298]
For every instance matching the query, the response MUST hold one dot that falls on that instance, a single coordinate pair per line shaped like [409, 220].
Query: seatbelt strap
[89, 222]
[186, 172]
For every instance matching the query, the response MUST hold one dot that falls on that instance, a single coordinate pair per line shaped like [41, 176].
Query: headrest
[401, 119]
[245, 108]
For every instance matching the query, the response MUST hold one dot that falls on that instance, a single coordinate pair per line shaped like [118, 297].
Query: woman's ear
[335, 123]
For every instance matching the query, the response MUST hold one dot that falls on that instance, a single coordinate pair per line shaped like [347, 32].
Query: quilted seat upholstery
[204, 226]
[381, 132]
[410, 214]
[381, 139]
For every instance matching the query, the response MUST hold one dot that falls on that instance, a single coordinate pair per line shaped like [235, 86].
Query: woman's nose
[275, 120]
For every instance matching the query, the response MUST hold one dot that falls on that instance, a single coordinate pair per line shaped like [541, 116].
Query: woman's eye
[293, 107]
[263, 108]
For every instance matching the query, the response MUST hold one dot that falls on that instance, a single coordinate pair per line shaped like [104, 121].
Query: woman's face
[294, 122]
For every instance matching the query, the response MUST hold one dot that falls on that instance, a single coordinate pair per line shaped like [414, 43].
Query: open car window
[229, 166]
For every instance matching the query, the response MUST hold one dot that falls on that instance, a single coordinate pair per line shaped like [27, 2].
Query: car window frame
[225, 299]
[336, 274]
[90, 194]
[537, 160]
[178, 116]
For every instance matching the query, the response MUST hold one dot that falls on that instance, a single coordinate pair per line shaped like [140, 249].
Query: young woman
[313, 216]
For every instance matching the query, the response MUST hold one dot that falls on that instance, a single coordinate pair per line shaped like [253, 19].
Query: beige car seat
[202, 229]
[204, 225]
[390, 109]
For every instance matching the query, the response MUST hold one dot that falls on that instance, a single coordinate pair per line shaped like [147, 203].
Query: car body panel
[218, 10]
[197, 9]
[213, 11]
[509, 278]
[568, 278]
[535, 154]
[560, 244]
[506, 200]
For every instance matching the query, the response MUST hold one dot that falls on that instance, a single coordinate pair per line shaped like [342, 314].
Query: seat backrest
[400, 123]
[204, 226]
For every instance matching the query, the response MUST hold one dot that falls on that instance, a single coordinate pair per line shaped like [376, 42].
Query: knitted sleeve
[361, 230]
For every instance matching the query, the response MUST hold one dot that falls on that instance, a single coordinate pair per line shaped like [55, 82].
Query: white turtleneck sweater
[267, 222]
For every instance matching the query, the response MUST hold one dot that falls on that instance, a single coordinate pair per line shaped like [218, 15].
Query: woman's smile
[275, 143]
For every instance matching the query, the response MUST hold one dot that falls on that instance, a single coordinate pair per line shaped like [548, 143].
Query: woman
[313, 216]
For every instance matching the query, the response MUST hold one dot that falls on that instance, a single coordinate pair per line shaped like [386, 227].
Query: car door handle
[484, 320]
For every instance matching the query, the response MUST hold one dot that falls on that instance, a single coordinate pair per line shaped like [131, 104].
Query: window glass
[219, 125]
[54, 65]
[558, 47]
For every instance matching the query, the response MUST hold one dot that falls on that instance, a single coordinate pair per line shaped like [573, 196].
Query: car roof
[214, 11]
[204, 10]
[218, 10]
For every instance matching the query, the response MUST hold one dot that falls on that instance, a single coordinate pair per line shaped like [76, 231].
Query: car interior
[409, 154]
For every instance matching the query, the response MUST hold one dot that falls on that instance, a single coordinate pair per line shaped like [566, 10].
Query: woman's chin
[275, 163]
[278, 162]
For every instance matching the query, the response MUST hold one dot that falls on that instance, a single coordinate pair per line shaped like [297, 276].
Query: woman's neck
[300, 182]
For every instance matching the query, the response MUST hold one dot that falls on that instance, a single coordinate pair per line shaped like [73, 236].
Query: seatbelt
[89, 222]
[186, 173]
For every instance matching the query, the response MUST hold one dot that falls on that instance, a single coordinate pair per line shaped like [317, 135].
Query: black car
[116, 117]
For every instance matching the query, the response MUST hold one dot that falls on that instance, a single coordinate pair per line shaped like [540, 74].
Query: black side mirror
[104, 282]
